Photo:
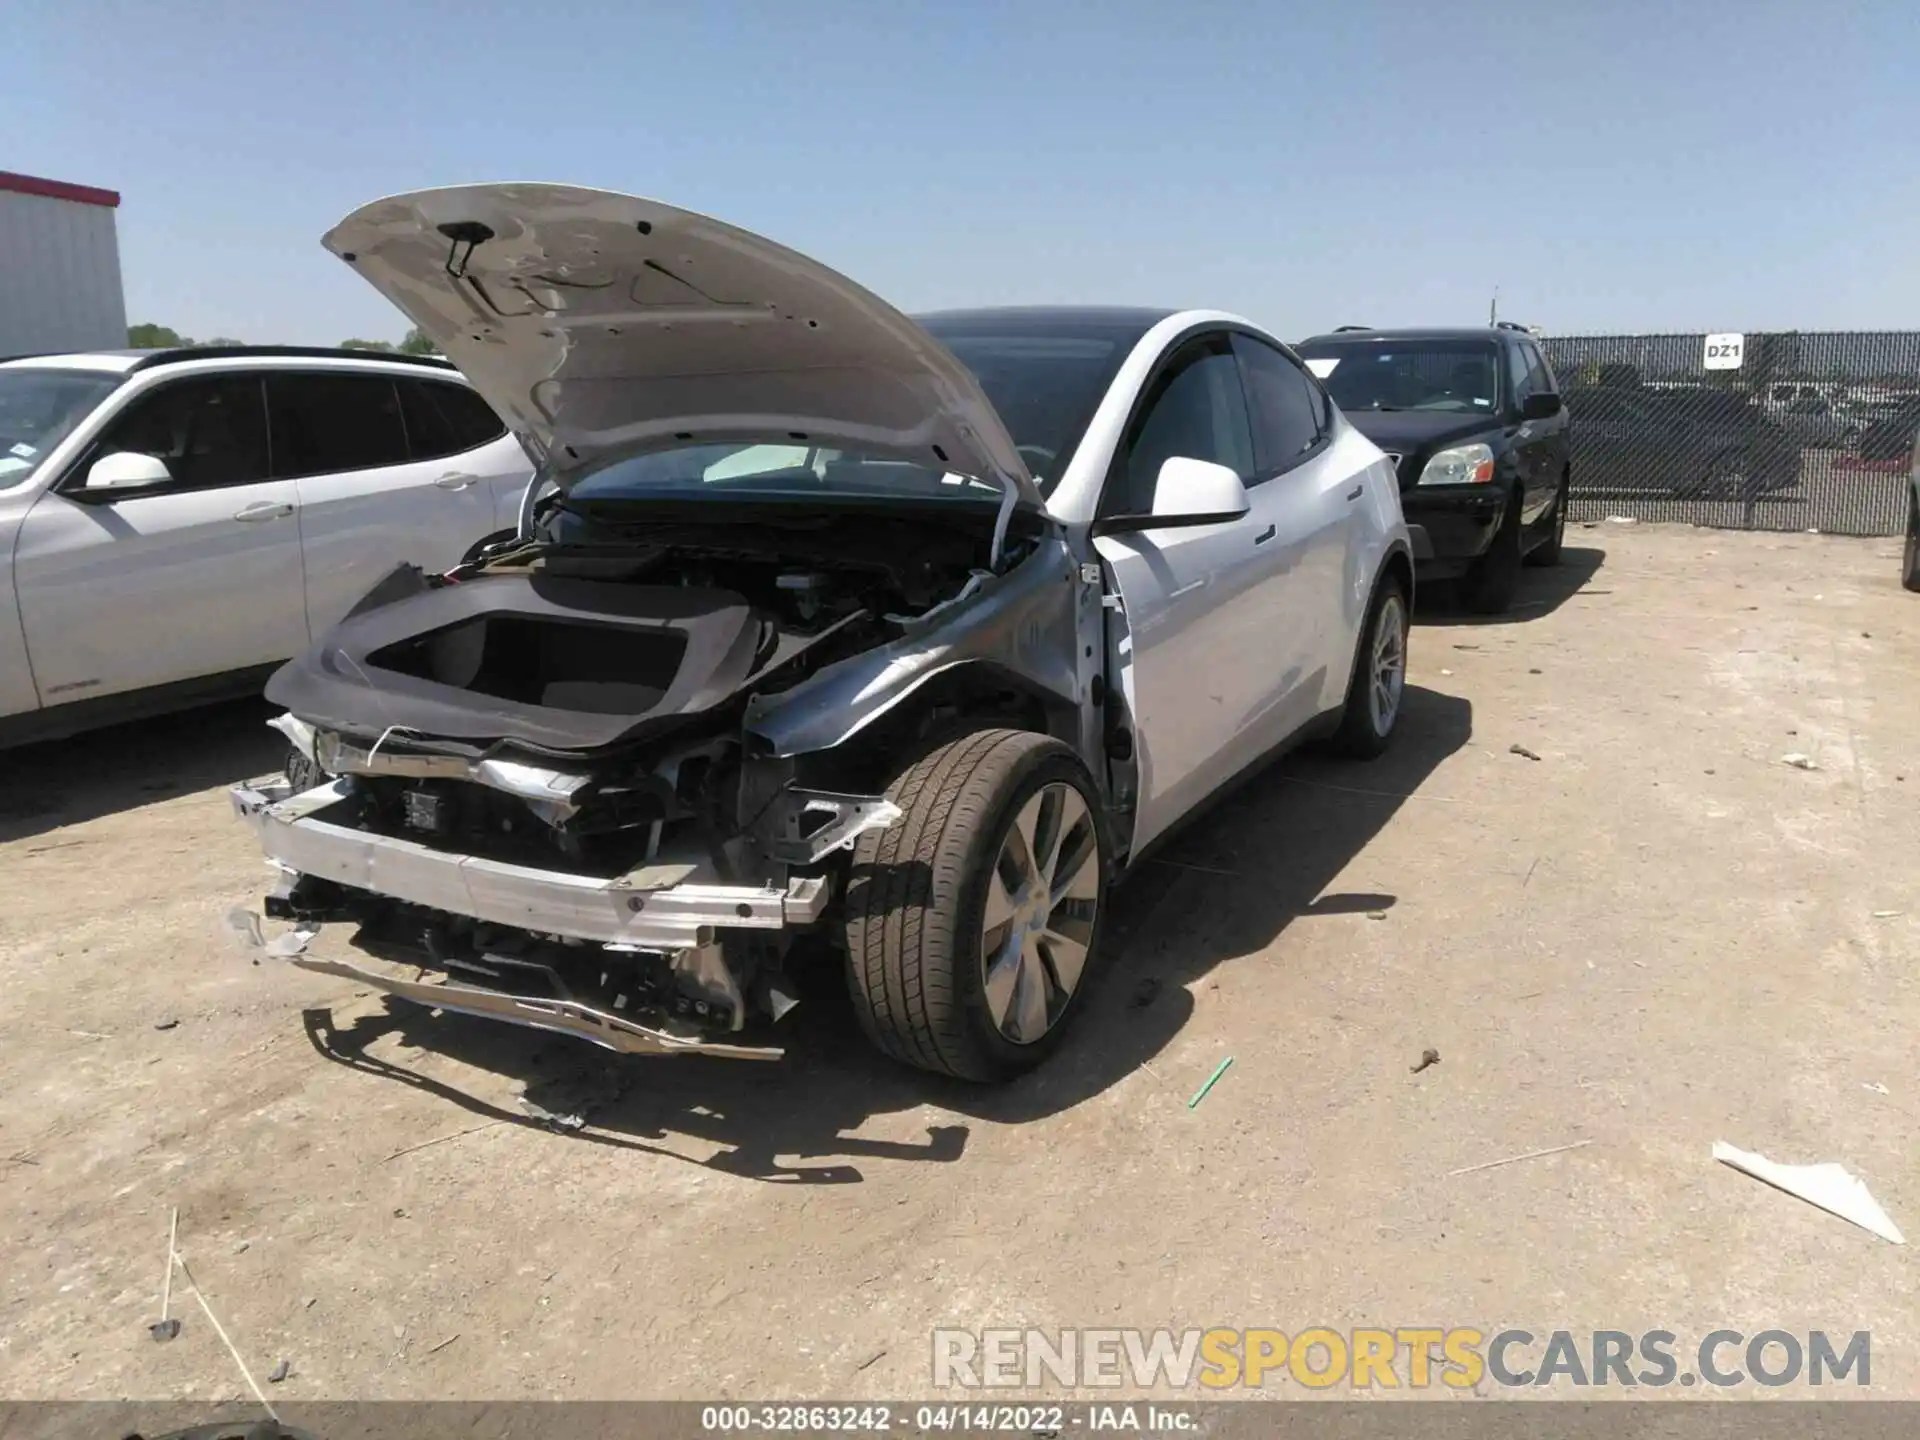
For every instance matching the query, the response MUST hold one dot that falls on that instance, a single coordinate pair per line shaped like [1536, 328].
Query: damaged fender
[1026, 622]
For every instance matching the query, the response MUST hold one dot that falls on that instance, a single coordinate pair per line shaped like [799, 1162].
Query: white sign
[1724, 352]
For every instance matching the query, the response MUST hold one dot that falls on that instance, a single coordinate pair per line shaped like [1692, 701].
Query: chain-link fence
[1802, 431]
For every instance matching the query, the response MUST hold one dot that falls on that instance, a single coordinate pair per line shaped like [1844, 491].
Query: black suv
[1474, 422]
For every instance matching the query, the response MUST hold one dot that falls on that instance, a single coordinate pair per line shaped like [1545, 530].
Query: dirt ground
[1652, 936]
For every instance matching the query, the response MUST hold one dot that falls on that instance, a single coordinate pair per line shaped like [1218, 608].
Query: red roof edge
[58, 190]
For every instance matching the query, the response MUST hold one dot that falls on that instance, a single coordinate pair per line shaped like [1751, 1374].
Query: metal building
[59, 267]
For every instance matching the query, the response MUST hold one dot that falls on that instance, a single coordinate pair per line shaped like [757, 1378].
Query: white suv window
[325, 424]
[210, 431]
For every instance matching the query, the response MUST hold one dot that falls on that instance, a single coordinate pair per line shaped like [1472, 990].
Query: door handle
[1265, 535]
[264, 510]
[1356, 492]
[456, 480]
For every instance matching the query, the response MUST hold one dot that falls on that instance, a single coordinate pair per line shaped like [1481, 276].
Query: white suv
[174, 523]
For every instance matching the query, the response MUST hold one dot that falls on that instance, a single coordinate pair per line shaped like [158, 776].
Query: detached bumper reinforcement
[654, 907]
[564, 1017]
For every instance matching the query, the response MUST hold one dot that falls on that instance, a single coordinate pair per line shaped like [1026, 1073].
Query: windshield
[771, 472]
[1044, 387]
[37, 409]
[1457, 376]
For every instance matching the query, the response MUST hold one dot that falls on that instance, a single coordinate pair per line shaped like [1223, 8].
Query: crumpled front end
[618, 812]
[662, 956]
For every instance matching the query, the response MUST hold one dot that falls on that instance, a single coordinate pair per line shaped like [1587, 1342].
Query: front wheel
[1910, 562]
[1547, 552]
[1379, 679]
[1495, 576]
[973, 923]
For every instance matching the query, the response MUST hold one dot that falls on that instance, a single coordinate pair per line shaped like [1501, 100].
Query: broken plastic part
[299, 734]
[1828, 1186]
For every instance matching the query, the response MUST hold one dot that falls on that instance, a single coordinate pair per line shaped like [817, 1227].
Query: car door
[1185, 648]
[120, 590]
[366, 505]
[449, 422]
[1528, 439]
[1307, 505]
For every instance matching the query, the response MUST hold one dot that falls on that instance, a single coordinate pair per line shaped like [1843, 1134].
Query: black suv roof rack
[1343, 329]
[299, 352]
[1512, 325]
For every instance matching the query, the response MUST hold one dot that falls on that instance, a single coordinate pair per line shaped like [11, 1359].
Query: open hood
[601, 325]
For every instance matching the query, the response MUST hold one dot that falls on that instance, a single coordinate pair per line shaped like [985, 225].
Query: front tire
[974, 923]
[1377, 687]
[302, 773]
[1910, 561]
[1495, 576]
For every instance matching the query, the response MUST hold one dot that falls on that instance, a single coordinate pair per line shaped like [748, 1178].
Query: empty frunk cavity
[560, 664]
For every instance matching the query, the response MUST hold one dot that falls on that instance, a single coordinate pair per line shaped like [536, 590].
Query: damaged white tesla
[827, 636]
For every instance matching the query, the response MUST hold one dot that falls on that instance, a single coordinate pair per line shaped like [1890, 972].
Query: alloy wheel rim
[1388, 671]
[1043, 896]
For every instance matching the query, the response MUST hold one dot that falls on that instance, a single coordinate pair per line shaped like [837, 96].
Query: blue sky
[1610, 165]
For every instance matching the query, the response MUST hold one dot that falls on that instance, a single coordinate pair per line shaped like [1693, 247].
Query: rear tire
[1910, 562]
[1547, 552]
[1376, 689]
[973, 924]
[1495, 576]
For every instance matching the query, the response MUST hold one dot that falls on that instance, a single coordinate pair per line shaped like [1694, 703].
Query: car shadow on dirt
[123, 767]
[1543, 590]
[1219, 894]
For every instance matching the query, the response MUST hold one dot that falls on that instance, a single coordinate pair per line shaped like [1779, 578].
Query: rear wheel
[1379, 679]
[1495, 576]
[1910, 563]
[1547, 552]
[973, 923]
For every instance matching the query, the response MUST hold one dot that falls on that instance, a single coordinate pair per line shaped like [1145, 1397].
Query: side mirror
[1541, 406]
[1186, 492]
[127, 470]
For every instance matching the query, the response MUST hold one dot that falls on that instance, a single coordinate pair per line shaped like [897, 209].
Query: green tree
[226, 340]
[154, 337]
[417, 343]
[386, 345]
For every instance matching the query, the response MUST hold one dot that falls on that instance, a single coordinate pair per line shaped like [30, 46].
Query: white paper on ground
[1828, 1186]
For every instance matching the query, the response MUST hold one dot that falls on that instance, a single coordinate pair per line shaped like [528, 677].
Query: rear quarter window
[445, 419]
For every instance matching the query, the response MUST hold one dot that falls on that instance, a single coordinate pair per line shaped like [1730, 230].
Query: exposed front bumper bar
[653, 907]
[564, 1017]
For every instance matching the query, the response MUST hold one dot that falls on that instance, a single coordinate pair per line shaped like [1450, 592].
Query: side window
[210, 432]
[323, 424]
[1287, 408]
[445, 419]
[1196, 410]
[1539, 378]
[1519, 376]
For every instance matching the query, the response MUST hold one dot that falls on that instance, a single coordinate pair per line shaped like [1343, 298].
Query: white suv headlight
[1462, 465]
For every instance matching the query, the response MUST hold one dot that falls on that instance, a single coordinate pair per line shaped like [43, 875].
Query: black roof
[1413, 332]
[1118, 322]
[150, 358]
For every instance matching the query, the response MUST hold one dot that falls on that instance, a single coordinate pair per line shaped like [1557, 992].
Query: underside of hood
[601, 325]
